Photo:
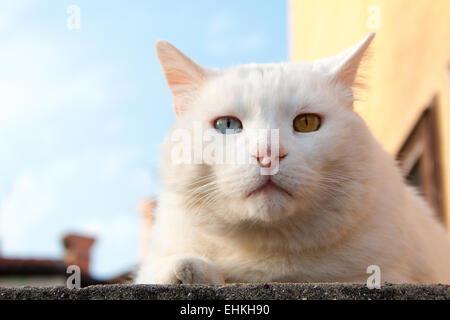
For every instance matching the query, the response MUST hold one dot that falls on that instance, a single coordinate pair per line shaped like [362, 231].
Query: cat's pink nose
[266, 161]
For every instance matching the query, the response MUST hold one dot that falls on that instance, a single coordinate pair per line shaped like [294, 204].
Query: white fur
[350, 207]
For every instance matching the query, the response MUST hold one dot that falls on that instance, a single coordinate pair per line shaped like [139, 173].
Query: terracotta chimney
[78, 251]
[147, 208]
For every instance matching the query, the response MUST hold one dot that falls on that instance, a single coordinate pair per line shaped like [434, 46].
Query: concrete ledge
[231, 292]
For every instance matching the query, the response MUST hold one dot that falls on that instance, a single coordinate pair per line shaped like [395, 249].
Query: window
[420, 159]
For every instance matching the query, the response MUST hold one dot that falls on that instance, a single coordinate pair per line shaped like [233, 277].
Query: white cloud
[33, 198]
[38, 77]
[11, 11]
[116, 248]
[62, 195]
[114, 160]
[26, 204]
[115, 232]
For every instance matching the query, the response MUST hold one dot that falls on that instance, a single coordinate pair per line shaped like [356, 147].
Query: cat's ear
[183, 75]
[346, 64]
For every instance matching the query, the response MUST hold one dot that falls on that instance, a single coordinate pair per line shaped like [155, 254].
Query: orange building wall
[409, 64]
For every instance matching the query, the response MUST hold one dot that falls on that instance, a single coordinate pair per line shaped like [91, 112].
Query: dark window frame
[423, 147]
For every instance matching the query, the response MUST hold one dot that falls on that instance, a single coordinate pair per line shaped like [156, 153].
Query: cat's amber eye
[307, 122]
[228, 125]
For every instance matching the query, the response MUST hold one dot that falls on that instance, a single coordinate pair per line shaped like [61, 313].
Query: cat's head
[318, 155]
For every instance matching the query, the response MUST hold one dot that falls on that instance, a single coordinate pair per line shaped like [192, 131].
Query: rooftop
[232, 292]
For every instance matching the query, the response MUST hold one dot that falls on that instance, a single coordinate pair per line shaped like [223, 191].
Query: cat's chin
[269, 203]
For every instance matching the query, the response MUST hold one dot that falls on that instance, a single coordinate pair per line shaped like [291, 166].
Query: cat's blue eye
[227, 125]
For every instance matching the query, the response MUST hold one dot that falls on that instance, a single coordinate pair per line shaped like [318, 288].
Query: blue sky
[83, 112]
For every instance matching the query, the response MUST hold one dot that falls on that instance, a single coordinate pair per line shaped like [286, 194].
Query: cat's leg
[179, 269]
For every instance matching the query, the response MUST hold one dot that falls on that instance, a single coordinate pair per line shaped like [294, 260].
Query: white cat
[337, 204]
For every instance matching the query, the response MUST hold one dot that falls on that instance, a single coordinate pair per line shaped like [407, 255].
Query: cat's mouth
[268, 187]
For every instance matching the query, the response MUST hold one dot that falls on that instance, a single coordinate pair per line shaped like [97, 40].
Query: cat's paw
[179, 269]
[196, 270]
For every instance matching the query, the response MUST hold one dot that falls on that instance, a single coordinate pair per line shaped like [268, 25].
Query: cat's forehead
[264, 72]
[281, 78]
[261, 71]
[266, 88]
